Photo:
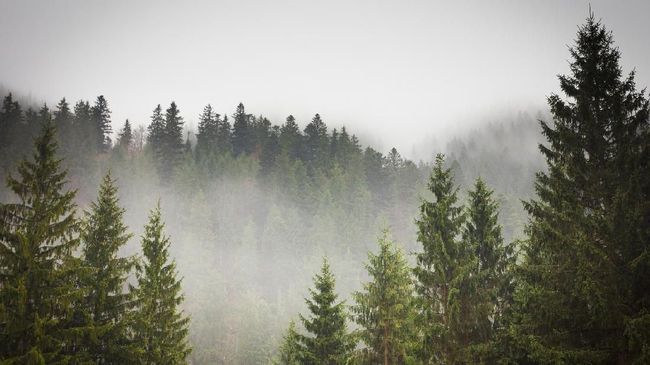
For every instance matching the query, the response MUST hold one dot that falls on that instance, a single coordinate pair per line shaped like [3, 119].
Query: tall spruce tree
[173, 143]
[207, 138]
[242, 134]
[125, 138]
[159, 326]
[584, 292]
[441, 270]
[106, 305]
[385, 308]
[38, 234]
[101, 124]
[328, 342]
[490, 276]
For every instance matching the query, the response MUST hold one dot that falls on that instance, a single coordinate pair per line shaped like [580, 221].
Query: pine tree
[101, 118]
[106, 304]
[207, 138]
[224, 143]
[441, 269]
[490, 277]
[316, 142]
[384, 308]
[173, 146]
[290, 138]
[11, 121]
[125, 138]
[328, 342]
[241, 133]
[156, 131]
[291, 350]
[63, 119]
[160, 327]
[584, 285]
[37, 269]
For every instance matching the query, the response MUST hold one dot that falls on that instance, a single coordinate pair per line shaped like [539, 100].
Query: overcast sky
[396, 70]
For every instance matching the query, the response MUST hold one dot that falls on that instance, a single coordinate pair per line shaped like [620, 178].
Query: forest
[246, 241]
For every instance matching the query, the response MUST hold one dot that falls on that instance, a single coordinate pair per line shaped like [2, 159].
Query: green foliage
[106, 307]
[328, 342]
[584, 285]
[385, 308]
[441, 269]
[37, 269]
[159, 326]
[291, 349]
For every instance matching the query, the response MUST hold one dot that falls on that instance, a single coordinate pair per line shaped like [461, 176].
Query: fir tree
[173, 145]
[584, 292]
[37, 269]
[101, 118]
[106, 304]
[207, 138]
[441, 269]
[159, 326]
[241, 133]
[224, 143]
[291, 350]
[316, 142]
[490, 278]
[125, 138]
[384, 308]
[290, 138]
[328, 342]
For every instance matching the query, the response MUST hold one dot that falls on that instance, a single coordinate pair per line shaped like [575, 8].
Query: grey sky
[397, 70]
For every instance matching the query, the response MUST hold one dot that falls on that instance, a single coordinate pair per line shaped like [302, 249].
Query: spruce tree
[316, 142]
[242, 132]
[207, 138]
[441, 270]
[584, 285]
[101, 124]
[106, 304]
[125, 138]
[385, 308]
[159, 326]
[291, 350]
[38, 234]
[224, 143]
[490, 276]
[328, 342]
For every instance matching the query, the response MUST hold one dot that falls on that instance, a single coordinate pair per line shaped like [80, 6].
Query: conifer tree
[316, 142]
[290, 138]
[11, 120]
[63, 120]
[156, 131]
[241, 132]
[385, 308]
[328, 342]
[291, 350]
[159, 326]
[173, 146]
[38, 234]
[490, 276]
[207, 138]
[101, 118]
[106, 305]
[584, 286]
[224, 143]
[441, 269]
[125, 137]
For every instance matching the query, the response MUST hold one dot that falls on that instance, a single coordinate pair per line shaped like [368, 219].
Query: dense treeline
[253, 207]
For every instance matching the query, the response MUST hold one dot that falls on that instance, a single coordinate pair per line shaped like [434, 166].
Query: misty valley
[247, 240]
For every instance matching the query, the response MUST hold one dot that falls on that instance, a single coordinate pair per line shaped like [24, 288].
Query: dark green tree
[207, 138]
[290, 138]
[441, 270]
[490, 277]
[316, 142]
[385, 308]
[101, 124]
[224, 143]
[125, 138]
[584, 284]
[159, 326]
[173, 145]
[242, 134]
[38, 234]
[328, 342]
[106, 305]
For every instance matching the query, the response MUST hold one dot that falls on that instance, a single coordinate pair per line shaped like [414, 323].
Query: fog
[469, 80]
[393, 70]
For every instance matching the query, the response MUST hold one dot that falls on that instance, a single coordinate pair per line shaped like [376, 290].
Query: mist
[377, 91]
